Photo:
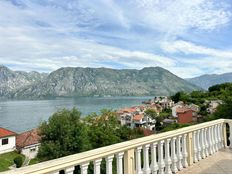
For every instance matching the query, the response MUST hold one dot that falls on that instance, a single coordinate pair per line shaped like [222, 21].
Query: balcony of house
[201, 148]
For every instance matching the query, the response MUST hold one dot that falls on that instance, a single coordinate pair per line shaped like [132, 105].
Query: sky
[188, 38]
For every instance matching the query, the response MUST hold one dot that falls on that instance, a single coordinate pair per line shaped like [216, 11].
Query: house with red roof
[140, 120]
[28, 143]
[7, 140]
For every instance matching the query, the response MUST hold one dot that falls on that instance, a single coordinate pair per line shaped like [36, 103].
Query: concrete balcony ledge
[168, 153]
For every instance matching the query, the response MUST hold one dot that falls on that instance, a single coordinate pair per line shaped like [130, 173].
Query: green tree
[151, 113]
[103, 128]
[63, 134]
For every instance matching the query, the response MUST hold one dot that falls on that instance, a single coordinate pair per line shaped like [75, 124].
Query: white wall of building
[30, 151]
[8, 147]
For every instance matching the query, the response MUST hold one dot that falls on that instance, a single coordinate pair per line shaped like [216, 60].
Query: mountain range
[205, 81]
[70, 82]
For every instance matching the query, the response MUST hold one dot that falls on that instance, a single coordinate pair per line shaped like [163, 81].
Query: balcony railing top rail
[92, 155]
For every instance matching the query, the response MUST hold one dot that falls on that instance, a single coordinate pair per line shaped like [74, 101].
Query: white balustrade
[179, 153]
[84, 168]
[199, 145]
[109, 160]
[213, 139]
[168, 160]
[161, 156]
[138, 160]
[69, 170]
[216, 138]
[202, 140]
[154, 164]
[184, 150]
[173, 155]
[195, 149]
[220, 136]
[209, 135]
[206, 142]
[97, 166]
[119, 157]
[175, 151]
[146, 166]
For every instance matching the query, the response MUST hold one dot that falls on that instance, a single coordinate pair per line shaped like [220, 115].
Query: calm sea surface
[22, 115]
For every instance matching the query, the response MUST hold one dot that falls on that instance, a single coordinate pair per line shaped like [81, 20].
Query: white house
[144, 121]
[7, 140]
[28, 143]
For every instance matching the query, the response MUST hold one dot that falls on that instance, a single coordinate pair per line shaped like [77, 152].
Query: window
[33, 150]
[5, 141]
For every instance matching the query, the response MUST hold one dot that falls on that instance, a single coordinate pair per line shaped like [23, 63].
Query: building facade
[7, 140]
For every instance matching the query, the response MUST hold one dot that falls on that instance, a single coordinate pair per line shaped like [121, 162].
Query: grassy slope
[7, 160]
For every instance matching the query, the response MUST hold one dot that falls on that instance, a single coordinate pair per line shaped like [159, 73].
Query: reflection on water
[21, 115]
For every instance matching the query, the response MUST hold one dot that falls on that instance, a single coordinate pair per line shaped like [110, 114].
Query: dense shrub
[18, 161]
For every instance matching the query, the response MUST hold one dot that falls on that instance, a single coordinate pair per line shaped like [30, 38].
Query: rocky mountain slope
[205, 81]
[91, 82]
[12, 81]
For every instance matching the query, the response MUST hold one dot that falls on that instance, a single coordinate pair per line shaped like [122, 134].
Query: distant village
[177, 112]
[27, 143]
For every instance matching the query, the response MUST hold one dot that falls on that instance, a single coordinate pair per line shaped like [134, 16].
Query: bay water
[22, 115]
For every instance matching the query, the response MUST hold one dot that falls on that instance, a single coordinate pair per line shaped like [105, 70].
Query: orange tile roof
[182, 110]
[138, 117]
[6, 133]
[128, 110]
[27, 138]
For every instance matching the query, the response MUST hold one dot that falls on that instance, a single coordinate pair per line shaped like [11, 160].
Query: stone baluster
[230, 138]
[168, 160]
[199, 145]
[195, 149]
[146, 166]
[220, 136]
[69, 170]
[119, 157]
[161, 157]
[138, 160]
[84, 168]
[154, 164]
[173, 155]
[109, 160]
[184, 150]
[206, 142]
[209, 135]
[97, 166]
[216, 137]
[179, 154]
[202, 140]
[213, 139]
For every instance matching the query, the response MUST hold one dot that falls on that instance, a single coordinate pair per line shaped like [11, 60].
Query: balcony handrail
[99, 153]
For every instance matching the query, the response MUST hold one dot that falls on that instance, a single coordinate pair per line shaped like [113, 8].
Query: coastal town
[148, 116]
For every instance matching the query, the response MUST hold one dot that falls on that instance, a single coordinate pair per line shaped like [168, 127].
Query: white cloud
[191, 48]
[177, 16]
[45, 35]
[200, 59]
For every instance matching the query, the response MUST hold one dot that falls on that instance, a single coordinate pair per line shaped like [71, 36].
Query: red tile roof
[27, 138]
[138, 117]
[182, 110]
[128, 110]
[6, 133]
